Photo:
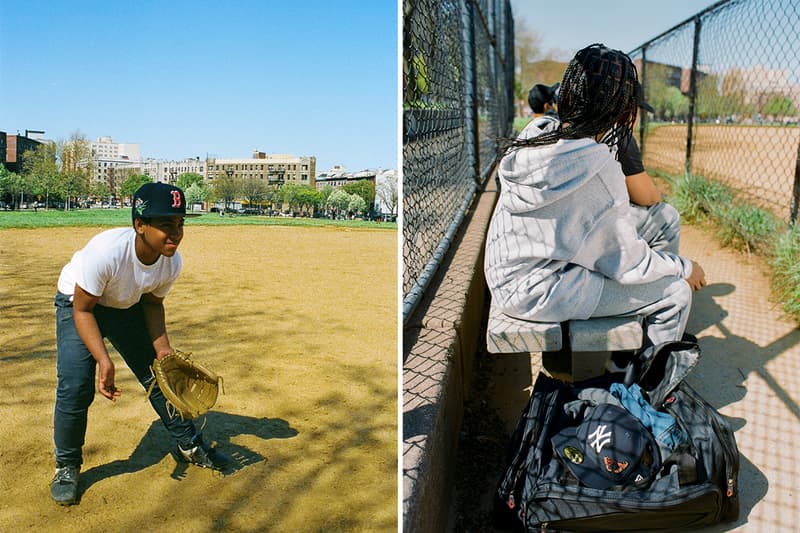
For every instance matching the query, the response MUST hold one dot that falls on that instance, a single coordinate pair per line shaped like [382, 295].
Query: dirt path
[757, 162]
[301, 324]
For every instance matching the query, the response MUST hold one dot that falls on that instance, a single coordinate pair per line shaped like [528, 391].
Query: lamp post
[229, 172]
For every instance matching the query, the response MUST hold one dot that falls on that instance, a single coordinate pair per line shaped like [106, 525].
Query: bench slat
[606, 334]
[505, 334]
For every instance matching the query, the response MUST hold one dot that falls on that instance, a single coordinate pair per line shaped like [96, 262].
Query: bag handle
[668, 363]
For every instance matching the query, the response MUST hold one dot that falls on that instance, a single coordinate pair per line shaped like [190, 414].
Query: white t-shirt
[109, 268]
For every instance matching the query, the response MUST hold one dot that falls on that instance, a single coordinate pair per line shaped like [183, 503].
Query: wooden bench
[573, 350]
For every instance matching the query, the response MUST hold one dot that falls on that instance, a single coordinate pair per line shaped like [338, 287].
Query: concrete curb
[439, 346]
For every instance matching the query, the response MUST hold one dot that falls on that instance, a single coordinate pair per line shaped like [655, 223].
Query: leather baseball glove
[190, 388]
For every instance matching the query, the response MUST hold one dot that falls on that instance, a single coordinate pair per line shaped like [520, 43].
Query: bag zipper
[723, 434]
[722, 430]
[550, 492]
[521, 460]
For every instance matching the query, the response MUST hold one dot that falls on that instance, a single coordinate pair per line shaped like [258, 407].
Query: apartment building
[13, 148]
[338, 177]
[274, 169]
[170, 171]
[112, 159]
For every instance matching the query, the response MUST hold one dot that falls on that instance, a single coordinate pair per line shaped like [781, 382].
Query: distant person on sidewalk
[563, 241]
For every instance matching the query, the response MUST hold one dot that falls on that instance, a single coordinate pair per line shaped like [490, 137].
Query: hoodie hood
[532, 178]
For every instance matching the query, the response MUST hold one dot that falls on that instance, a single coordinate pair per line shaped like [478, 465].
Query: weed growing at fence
[699, 200]
[785, 265]
[744, 226]
[739, 225]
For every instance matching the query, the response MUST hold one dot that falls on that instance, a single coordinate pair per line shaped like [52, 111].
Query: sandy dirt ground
[302, 325]
[749, 370]
[758, 162]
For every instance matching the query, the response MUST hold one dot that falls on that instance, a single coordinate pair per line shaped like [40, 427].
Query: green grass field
[121, 217]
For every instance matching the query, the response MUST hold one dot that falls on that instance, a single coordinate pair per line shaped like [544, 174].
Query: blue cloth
[662, 425]
[126, 330]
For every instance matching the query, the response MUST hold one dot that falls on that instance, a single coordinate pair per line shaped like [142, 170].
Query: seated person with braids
[563, 241]
[656, 222]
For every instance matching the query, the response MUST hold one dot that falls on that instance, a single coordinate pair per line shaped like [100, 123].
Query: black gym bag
[554, 482]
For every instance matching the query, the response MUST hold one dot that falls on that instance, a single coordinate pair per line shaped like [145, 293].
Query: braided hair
[599, 95]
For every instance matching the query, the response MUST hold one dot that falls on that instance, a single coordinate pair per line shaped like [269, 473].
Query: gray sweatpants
[664, 303]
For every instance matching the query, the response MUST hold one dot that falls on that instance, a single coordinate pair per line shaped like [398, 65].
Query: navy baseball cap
[642, 104]
[609, 448]
[159, 200]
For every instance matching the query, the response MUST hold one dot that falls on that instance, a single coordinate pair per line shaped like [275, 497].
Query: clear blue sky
[569, 25]
[186, 78]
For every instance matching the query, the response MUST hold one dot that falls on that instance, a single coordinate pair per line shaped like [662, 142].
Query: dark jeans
[126, 330]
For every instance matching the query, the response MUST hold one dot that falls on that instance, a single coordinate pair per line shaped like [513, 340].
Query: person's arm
[154, 319]
[641, 189]
[83, 313]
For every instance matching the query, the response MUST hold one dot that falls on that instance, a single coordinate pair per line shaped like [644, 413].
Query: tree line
[60, 174]
[719, 96]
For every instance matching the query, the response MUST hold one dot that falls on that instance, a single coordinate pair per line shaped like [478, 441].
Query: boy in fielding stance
[114, 288]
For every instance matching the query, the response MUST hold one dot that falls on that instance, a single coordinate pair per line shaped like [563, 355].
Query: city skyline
[197, 79]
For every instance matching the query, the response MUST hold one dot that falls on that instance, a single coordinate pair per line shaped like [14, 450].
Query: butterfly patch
[614, 466]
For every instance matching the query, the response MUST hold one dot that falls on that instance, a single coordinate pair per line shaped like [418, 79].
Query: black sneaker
[203, 455]
[64, 487]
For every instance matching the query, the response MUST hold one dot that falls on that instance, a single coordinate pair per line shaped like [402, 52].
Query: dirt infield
[757, 161]
[302, 325]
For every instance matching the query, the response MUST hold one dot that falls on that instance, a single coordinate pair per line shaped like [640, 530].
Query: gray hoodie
[561, 227]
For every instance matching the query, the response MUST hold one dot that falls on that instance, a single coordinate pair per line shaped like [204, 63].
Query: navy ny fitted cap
[610, 448]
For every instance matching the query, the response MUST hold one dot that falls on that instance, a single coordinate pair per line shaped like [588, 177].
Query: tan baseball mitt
[190, 388]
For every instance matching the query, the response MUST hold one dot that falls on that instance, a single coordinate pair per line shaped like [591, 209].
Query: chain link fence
[725, 86]
[458, 83]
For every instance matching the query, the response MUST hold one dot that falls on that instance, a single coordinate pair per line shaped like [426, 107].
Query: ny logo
[599, 438]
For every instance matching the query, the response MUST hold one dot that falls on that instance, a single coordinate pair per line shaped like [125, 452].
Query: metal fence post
[643, 114]
[510, 71]
[472, 136]
[795, 190]
[692, 95]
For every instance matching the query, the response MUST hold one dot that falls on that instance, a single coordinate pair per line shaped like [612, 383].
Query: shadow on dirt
[218, 427]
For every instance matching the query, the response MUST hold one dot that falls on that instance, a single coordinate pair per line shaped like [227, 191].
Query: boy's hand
[106, 386]
[697, 280]
[163, 352]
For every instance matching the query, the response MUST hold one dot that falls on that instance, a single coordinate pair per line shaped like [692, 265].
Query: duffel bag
[578, 461]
